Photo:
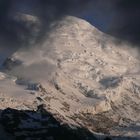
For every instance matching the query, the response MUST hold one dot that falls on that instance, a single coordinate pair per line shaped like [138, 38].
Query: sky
[119, 18]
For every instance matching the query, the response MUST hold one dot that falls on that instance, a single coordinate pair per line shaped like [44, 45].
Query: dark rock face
[39, 125]
[9, 63]
[111, 82]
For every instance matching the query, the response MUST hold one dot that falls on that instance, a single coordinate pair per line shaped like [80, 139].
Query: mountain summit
[84, 77]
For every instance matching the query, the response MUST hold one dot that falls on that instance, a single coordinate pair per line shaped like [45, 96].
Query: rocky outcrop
[10, 63]
[39, 125]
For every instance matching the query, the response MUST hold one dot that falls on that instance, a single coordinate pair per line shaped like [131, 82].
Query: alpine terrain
[75, 82]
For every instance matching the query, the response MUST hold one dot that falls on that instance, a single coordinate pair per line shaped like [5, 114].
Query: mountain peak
[86, 78]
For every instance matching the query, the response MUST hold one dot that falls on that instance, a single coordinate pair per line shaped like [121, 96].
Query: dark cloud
[126, 21]
[121, 18]
[17, 32]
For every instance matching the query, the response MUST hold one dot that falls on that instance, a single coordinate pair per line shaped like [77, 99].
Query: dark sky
[126, 23]
[120, 18]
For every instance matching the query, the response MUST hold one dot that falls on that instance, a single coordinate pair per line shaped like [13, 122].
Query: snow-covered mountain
[84, 77]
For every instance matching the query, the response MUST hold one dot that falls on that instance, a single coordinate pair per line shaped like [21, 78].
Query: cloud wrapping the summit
[124, 23]
[26, 23]
[17, 32]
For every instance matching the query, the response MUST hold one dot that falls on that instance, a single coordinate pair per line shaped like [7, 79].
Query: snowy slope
[85, 77]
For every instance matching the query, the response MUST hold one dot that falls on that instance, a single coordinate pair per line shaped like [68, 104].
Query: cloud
[19, 32]
[126, 20]
[26, 24]
[123, 23]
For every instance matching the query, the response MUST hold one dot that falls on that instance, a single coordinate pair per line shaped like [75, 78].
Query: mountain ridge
[82, 75]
